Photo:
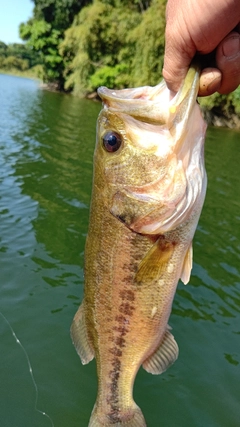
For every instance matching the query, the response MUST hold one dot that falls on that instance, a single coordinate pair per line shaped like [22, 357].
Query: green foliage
[36, 72]
[12, 62]
[96, 41]
[44, 32]
[17, 56]
[3, 49]
[111, 77]
[222, 104]
[59, 13]
[45, 40]
[147, 41]
[114, 43]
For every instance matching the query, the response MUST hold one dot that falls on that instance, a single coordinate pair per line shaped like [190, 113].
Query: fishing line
[30, 370]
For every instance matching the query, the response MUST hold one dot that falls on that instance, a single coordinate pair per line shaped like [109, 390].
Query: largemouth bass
[148, 191]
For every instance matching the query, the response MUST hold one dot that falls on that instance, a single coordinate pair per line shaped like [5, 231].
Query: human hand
[206, 27]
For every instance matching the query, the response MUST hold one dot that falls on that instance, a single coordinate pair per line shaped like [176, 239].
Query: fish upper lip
[130, 95]
[122, 94]
[115, 95]
[144, 103]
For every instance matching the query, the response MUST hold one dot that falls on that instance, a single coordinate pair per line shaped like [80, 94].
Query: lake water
[46, 147]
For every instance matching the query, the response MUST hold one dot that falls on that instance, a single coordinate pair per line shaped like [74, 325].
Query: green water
[46, 146]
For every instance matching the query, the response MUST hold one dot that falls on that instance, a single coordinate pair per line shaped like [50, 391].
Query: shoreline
[22, 74]
[221, 120]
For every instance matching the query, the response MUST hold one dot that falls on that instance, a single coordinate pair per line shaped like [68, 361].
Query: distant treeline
[83, 44]
[18, 57]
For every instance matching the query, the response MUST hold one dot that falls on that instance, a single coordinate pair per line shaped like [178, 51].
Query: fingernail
[231, 47]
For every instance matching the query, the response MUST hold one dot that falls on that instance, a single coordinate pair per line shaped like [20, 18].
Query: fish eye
[112, 141]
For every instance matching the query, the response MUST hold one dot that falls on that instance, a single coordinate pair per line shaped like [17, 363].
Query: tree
[59, 13]
[115, 43]
[147, 40]
[12, 62]
[45, 30]
[3, 49]
[44, 40]
[94, 45]
[17, 56]
[23, 51]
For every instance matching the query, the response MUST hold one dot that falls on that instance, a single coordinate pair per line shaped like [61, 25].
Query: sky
[13, 12]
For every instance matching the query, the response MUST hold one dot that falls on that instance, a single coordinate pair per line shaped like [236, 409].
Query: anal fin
[164, 356]
[80, 336]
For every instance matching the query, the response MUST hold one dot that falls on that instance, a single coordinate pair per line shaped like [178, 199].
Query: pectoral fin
[155, 263]
[80, 337]
[165, 355]
[187, 266]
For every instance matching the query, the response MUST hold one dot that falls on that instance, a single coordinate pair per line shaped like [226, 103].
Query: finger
[228, 62]
[172, 63]
[178, 54]
[210, 81]
[177, 57]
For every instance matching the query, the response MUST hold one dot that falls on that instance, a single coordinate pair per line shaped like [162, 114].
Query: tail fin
[136, 419]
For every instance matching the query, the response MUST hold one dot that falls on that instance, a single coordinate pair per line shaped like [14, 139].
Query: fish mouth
[131, 94]
[144, 103]
[148, 103]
